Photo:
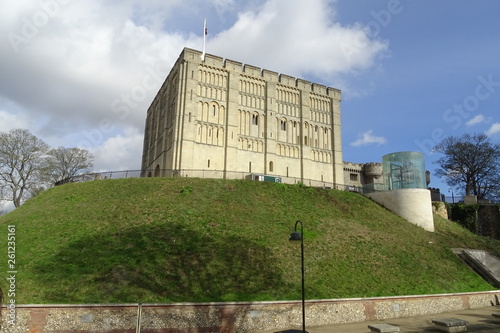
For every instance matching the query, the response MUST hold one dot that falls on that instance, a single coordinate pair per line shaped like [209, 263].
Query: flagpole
[204, 39]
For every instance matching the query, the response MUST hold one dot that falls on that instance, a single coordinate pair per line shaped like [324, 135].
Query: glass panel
[404, 170]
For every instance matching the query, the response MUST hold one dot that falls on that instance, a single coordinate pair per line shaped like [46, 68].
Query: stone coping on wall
[327, 300]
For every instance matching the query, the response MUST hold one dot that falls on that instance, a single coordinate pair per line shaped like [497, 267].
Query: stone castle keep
[221, 119]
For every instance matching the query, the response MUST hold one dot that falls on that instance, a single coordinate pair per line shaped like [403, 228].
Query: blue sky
[439, 77]
[411, 71]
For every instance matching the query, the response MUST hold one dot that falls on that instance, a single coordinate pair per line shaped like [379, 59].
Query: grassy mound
[183, 239]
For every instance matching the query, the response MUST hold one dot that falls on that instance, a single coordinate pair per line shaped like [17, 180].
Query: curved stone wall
[412, 204]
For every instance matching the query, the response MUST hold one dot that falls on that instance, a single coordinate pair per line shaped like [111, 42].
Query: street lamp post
[299, 236]
[452, 197]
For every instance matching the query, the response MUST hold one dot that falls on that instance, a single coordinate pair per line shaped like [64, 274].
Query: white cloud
[494, 129]
[298, 37]
[121, 152]
[78, 69]
[75, 63]
[476, 120]
[368, 138]
[10, 121]
[6, 206]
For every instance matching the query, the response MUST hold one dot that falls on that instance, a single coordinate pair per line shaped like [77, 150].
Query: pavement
[480, 320]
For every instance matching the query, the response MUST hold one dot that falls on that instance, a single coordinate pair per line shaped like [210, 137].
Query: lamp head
[295, 236]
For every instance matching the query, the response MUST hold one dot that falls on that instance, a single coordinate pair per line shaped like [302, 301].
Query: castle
[222, 119]
[216, 118]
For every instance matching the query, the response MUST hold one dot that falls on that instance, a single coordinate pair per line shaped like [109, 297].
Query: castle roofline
[219, 62]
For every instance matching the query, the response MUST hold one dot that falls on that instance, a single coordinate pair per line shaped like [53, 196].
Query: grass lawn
[186, 239]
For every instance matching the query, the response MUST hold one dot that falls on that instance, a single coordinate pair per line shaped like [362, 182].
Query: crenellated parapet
[373, 169]
[232, 65]
[368, 173]
[270, 76]
[219, 62]
[353, 167]
[252, 70]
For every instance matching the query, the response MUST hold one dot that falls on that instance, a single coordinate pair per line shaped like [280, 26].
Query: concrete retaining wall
[412, 204]
[231, 317]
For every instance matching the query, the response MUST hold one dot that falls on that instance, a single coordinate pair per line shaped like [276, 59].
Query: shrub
[465, 215]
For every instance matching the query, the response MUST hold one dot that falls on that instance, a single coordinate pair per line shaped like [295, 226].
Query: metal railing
[220, 174]
[100, 175]
[460, 199]
[201, 173]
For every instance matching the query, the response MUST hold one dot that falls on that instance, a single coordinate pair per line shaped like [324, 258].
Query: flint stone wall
[232, 317]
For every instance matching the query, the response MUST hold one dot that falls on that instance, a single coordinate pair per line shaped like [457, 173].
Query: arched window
[283, 125]
[271, 166]
[255, 119]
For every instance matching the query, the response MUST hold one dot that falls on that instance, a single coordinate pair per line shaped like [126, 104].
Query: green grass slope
[178, 239]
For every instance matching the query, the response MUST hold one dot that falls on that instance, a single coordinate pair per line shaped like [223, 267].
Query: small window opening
[255, 119]
[283, 125]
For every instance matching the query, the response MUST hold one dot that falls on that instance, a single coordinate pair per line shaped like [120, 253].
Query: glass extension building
[404, 170]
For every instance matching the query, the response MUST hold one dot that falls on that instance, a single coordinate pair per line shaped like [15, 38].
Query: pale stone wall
[353, 174]
[413, 204]
[470, 199]
[361, 174]
[222, 115]
[439, 208]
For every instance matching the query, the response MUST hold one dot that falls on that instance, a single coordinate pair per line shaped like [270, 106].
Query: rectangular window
[353, 177]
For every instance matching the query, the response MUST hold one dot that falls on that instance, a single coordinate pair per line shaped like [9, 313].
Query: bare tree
[2, 211]
[2, 193]
[471, 164]
[21, 161]
[65, 163]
